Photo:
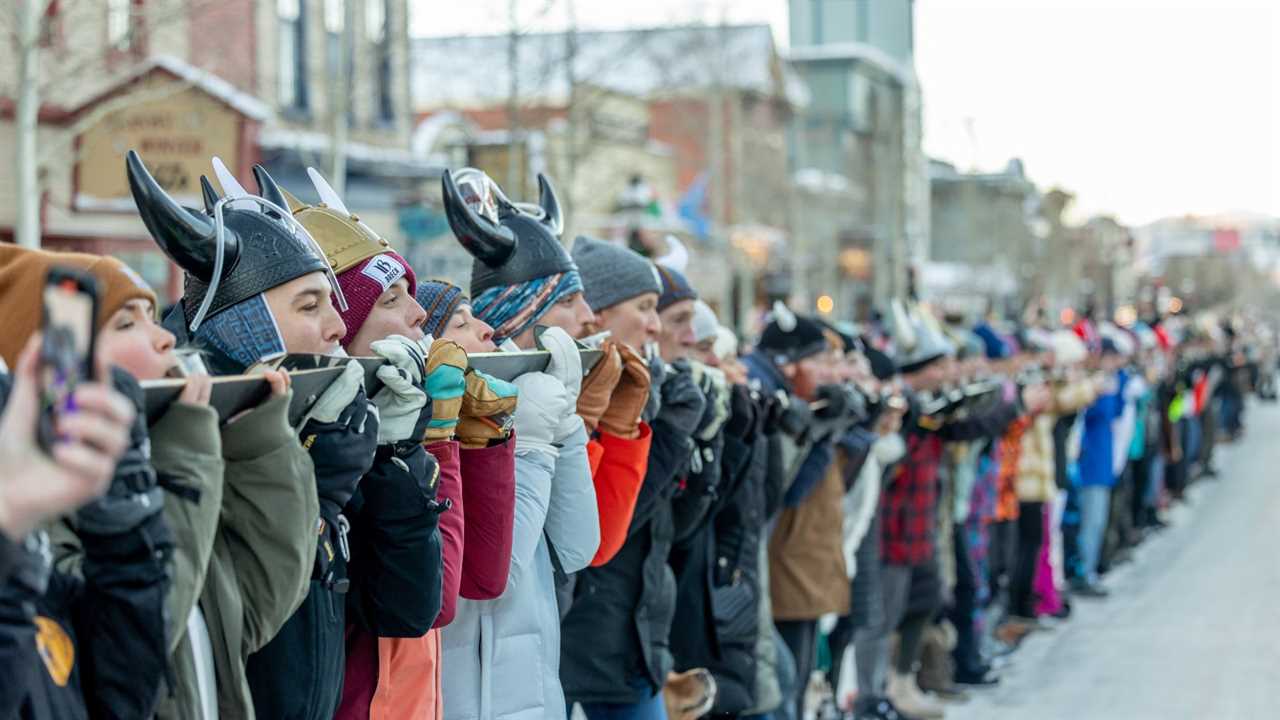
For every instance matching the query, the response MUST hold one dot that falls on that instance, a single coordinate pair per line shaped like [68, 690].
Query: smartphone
[66, 347]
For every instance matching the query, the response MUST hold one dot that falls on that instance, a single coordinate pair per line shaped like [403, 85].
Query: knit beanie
[675, 287]
[22, 276]
[792, 339]
[365, 282]
[440, 299]
[612, 273]
[705, 323]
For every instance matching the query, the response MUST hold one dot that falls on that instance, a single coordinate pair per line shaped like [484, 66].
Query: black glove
[658, 372]
[771, 408]
[795, 417]
[837, 403]
[342, 451]
[744, 414]
[134, 494]
[682, 402]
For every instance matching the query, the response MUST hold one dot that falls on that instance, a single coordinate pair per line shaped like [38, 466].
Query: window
[120, 25]
[376, 20]
[293, 54]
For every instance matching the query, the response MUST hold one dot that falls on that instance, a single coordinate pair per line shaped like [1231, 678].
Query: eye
[124, 325]
[310, 307]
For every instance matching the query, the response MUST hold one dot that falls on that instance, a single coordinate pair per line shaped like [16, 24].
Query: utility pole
[27, 226]
[340, 105]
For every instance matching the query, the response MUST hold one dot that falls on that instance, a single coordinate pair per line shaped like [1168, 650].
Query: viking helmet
[511, 242]
[240, 246]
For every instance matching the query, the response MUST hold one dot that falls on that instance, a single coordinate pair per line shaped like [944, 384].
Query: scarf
[512, 309]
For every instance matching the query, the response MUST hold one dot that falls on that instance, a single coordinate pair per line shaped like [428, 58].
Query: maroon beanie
[364, 283]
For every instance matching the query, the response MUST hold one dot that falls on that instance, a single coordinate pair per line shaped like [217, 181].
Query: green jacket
[259, 556]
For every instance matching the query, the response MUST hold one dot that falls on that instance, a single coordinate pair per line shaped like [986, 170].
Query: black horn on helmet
[552, 216]
[187, 236]
[487, 242]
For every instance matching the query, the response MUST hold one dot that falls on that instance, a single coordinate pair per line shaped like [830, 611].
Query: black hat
[882, 366]
[789, 338]
[518, 244]
[261, 249]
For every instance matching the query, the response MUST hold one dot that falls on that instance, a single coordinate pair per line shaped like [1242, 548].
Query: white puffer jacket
[501, 658]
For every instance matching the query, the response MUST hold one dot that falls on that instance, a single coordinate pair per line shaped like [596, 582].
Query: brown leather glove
[446, 366]
[598, 385]
[488, 407]
[622, 418]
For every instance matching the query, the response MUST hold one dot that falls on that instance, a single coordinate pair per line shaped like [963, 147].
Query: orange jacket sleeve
[618, 475]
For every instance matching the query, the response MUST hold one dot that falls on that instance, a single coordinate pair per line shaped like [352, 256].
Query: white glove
[338, 395]
[543, 404]
[401, 400]
[566, 362]
[566, 367]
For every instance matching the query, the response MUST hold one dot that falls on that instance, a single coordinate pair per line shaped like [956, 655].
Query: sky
[1141, 108]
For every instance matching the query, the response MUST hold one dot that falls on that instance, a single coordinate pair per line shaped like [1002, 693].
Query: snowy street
[1190, 630]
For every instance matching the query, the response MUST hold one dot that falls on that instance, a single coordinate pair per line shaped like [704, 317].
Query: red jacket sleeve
[595, 452]
[452, 525]
[618, 476]
[489, 489]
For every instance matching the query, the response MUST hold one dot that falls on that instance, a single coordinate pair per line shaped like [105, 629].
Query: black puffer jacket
[394, 578]
[718, 578]
[614, 638]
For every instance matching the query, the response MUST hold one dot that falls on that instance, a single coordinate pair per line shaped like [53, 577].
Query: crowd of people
[825, 520]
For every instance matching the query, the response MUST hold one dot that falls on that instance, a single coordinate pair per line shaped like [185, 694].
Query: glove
[342, 450]
[446, 384]
[566, 362]
[338, 395]
[682, 401]
[598, 386]
[134, 494]
[487, 410]
[715, 389]
[622, 417]
[566, 367]
[657, 376]
[403, 408]
[544, 402]
[744, 414]
[794, 417]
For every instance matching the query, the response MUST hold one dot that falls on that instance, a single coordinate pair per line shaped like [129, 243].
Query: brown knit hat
[22, 274]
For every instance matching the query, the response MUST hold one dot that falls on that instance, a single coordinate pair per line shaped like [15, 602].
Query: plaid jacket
[909, 505]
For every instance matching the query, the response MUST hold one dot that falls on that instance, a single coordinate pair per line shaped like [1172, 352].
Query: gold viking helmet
[344, 239]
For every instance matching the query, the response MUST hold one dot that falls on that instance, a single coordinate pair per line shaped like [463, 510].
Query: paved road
[1192, 629]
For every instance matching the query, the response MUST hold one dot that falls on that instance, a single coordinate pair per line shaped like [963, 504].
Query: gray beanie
[612, 273]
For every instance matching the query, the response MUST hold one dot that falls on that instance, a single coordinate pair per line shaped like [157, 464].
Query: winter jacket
[64, 634]
[718, 579]
[1037, 465]
[64, 651]
[617, 467]
[807, 577]
[862, 500]
[261, 559]
[186, 451]
[501, 657]
[392, 677]
[10, 554]
[616, 632]
[395, 576]
[908, 504]
[1097, 452]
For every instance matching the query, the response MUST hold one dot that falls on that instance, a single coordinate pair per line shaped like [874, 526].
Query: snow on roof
[208, 82]
[473, 70]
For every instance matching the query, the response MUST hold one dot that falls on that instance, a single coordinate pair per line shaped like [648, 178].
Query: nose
[417, 315]
[162, 340]
[334, 329]
[653, 328]
[486, 332]
[585, 315]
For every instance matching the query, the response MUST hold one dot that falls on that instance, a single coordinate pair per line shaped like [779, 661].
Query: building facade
[183, 80]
